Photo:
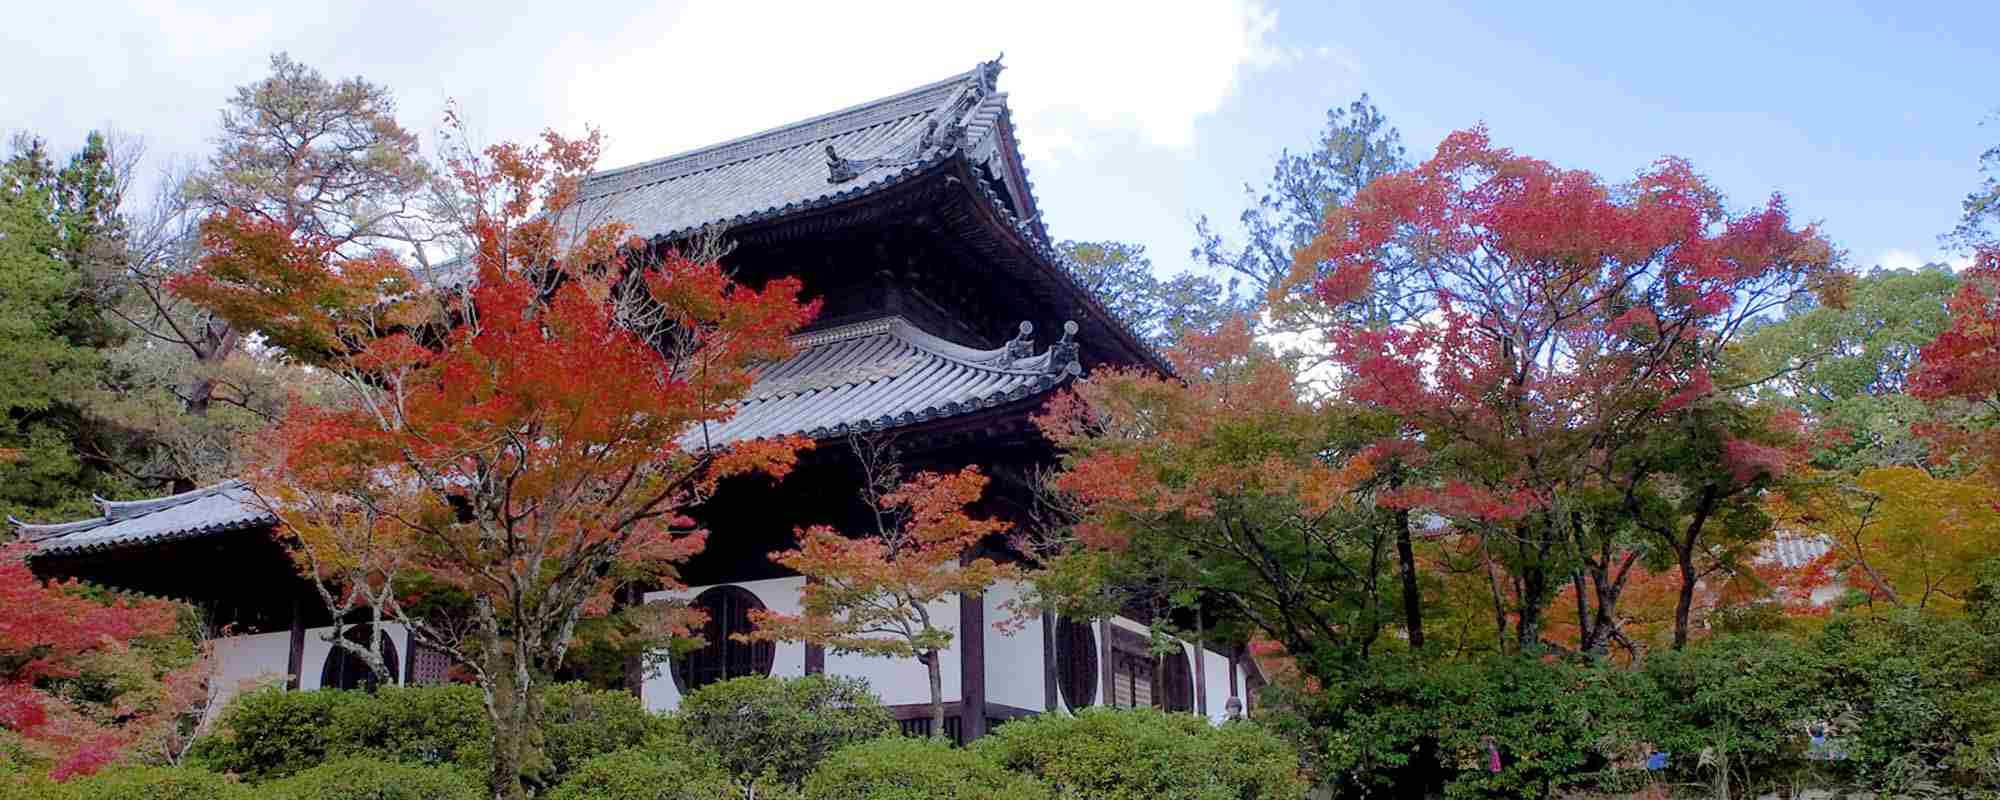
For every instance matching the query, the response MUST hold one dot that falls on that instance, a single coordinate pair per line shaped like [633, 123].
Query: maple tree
[1230, 488]
[877, 594]
[57, 631]
[1902, 535]
[1962, 365]
[1570, 316]
[524, 436]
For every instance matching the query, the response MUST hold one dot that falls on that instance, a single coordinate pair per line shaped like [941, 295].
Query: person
[1232, 710]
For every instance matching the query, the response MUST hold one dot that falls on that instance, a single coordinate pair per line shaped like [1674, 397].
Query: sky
[1135, 118]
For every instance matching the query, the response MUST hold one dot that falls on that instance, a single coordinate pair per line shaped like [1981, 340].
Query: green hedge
[780, 728]
[133, 783]
[373, 779]
[272, 733]
[645, 774]
[899, 768]
[1144, 754]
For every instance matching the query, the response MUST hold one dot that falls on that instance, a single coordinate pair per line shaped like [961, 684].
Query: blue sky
[1867, 119]
[1135, 115]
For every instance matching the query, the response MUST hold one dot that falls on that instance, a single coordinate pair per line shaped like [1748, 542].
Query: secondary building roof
[221, 508]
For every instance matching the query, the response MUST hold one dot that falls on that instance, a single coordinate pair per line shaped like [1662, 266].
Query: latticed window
[1132, 679]
[429, 666]
[721, 656]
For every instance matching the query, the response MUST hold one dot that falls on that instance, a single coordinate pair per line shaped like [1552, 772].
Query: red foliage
[1963, 363]
[47, 630]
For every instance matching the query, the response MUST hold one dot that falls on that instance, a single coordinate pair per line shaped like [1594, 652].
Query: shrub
[904, 768]
[271, 733]
[780, 728]
[372, 779]
[1146, 754]
[645, 774]
[134, 783]
[417, 725]
[579, 722]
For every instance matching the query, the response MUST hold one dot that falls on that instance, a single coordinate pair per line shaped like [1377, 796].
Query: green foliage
[1120, 275]
[651, 773]
[1130, 754]
[135, 783]
[579, 723]
[273, 733]
[780, 728]
[907, 768]
[373, 779]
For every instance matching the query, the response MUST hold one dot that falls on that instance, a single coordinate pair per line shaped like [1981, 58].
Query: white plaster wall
[1016, 670]
[1220, 689]
[779, 595]
[317, 647]
[249, 662]
[901, 681]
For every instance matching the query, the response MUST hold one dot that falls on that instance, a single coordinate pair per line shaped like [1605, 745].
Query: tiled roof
[787, 169]
[882, 374]
[1792, 551]
[225, 506]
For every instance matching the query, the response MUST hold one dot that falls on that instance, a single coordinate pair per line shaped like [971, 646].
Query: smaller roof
[887, 373]
[1791, 551]
[226, 506]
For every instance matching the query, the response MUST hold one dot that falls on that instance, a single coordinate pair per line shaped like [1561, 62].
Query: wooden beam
[1109, 694]
[1200, 668]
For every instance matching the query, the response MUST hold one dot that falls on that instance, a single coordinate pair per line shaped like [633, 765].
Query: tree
[877, 595]
[1161, 312]
[55, 632]
[1904, 536]
[1980, 226]
[1571, 316]
[1963, 366]
[1230, 490]
[525, 441]
[60, 239]
[296, 151]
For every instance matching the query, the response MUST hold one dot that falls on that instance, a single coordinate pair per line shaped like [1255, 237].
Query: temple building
[947, 321]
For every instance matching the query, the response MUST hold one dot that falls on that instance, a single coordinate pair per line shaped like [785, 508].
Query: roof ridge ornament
[1022, 345]
[1062, 354]
[944, 131]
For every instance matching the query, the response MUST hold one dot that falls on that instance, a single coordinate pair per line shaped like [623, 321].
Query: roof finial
[1021, 346]
[989, 73]
[1062, 354]
[839, 170]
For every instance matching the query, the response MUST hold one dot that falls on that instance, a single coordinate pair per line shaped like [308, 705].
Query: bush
[372, 779]
[272, 733]
[1145, 754]
[136, 783]
[579, 722]
[645, 774]
[904, 768]
[780, 728]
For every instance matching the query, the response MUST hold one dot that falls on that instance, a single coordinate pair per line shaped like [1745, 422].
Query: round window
[721, 656]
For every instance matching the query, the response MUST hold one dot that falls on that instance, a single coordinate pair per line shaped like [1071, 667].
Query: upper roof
[812, 162]
[223, 507]
[887, 373]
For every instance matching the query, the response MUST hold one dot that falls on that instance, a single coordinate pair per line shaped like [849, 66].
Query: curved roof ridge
[920, 100]
[115, 510]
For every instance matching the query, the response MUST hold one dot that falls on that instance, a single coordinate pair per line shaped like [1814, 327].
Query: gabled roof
[808, 163]
[223, 507]
[886, 373]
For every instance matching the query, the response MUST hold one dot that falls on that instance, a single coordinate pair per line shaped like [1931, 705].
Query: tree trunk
[1406, 556]
[1684, 552]
[937, 693]
[511, 705]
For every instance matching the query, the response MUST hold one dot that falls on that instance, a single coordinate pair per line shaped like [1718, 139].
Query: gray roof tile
[882, 374]
[225, 506]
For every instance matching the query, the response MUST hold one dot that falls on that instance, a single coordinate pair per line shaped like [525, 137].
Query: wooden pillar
[972, 666]
[295, 663]
[815, 652]
[1051, 699]
[1234, 689]
[1200, 668]
[1109, 696]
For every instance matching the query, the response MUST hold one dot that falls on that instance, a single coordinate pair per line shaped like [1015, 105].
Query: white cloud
[1082, 76]
[1910, 259]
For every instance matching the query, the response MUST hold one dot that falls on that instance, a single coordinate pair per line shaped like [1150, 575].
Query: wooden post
[815, 652]
[1051, 701]
[1200, 667]
[1110, 694]
[972, 666]
[295, 663]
